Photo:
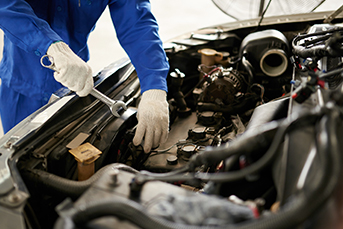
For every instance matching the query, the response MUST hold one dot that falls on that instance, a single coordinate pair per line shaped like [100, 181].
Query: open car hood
[241, 10]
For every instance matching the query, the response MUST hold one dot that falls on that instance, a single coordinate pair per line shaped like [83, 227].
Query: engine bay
[251, 119]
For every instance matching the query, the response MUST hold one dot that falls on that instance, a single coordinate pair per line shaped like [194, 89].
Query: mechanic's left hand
[153, 119]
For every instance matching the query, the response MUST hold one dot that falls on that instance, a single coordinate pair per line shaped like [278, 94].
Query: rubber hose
[240, 174]
[317, 51]
[305, 204]
[70, 187]
[250, 69]
[248, 143]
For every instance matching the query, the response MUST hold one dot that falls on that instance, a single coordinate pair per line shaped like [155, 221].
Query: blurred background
[175, 17]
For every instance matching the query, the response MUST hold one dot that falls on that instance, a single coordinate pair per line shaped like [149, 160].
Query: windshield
[248, 9]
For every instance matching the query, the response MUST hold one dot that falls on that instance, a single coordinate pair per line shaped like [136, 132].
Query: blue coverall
[30, 26]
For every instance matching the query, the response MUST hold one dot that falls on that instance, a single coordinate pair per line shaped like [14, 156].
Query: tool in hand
[114, 105]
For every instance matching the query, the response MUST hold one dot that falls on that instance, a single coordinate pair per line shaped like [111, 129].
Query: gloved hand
[70, 70]
[153, 119]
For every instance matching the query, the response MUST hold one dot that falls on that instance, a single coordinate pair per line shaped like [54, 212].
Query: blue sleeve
[137, 32]
[23, 28]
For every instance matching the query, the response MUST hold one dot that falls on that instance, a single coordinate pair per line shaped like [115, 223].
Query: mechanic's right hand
[70, 70]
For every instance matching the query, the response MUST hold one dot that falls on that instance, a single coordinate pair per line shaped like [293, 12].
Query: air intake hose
[267, 51]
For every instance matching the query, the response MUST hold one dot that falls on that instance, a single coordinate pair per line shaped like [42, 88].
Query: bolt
[114, 176]
[8, 144]
[260, 202]
[14, 198]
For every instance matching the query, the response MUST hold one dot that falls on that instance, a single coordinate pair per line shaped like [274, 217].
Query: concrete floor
[175, 17]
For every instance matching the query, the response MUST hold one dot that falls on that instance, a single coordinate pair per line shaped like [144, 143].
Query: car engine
[255, 122]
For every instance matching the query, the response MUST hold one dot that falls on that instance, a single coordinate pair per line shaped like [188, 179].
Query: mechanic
[60, 28]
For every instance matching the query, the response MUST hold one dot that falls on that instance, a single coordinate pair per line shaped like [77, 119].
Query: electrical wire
[215, 68]
[262, 90]
[179, 143]
[305, 203]
[325, 43]
[324, 75]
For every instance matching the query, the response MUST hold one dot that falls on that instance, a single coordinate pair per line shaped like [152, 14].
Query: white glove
[153, 119]
[70, 70]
